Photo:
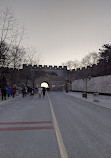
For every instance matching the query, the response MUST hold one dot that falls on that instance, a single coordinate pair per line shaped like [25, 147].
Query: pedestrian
[3, 92]
[43, 90]
[26, 90]
[40, 92]
[23, 91]
[9, 91]
[13, 92]
[31, 91]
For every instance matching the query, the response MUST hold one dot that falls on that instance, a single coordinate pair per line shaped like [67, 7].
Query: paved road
[27, 128]
[85, 127]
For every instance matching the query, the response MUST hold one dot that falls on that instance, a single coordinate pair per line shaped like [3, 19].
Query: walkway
[103, 100]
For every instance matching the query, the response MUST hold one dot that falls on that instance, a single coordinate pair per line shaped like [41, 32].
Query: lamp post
[86, 80]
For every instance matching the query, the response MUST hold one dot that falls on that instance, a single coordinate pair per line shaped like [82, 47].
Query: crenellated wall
[35, 75]
[57, 75]
[52, 70]
[101, 69]
[45, 67]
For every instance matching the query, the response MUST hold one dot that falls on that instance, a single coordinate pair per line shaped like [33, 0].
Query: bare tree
[11, 37]
[90, 59]
[7, 24]
[31, 57]
[72, 64]
[16, 57]
[3, 48]
[17, 52]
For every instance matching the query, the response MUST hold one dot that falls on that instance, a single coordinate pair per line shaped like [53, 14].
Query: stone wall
[55, 76]
[101, 84]
[101, 69]
[34, 75]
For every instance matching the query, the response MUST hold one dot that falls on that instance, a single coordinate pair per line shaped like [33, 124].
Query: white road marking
[62, 149]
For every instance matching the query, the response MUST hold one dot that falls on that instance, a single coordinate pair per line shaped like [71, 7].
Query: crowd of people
[40, 90]
[7, 92]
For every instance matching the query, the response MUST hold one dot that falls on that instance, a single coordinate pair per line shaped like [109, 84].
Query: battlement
[25, 66]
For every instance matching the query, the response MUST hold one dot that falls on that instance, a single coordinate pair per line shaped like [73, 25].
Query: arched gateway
[45, 84]
[53, 75]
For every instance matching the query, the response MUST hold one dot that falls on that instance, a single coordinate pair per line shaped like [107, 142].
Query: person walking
[3, 92]
[31, 91]
[40, 92]
[43, 90]
[9, 91]
[13, 92]
[23, 91]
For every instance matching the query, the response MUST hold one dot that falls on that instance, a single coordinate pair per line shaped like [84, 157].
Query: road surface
[28, 128]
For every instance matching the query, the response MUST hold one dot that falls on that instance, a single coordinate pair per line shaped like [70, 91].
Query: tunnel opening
[45, 84]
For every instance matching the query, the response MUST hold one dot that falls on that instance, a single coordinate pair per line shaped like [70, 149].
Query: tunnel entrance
[45, 84]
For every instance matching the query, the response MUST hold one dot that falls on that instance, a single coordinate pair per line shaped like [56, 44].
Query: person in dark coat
[30, 91]
[23, 91]
[43, 90]
[3, 92]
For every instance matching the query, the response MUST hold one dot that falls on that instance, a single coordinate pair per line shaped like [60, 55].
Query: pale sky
[64, 30]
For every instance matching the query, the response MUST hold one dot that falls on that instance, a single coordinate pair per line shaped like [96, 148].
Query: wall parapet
[100, 69]
[45, 67]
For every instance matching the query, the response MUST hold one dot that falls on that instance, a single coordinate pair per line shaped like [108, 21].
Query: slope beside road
[102, 100]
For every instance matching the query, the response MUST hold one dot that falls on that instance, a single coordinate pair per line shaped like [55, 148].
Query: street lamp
[86, 80]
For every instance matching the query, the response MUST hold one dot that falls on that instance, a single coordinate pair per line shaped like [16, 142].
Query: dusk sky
[63, 30]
